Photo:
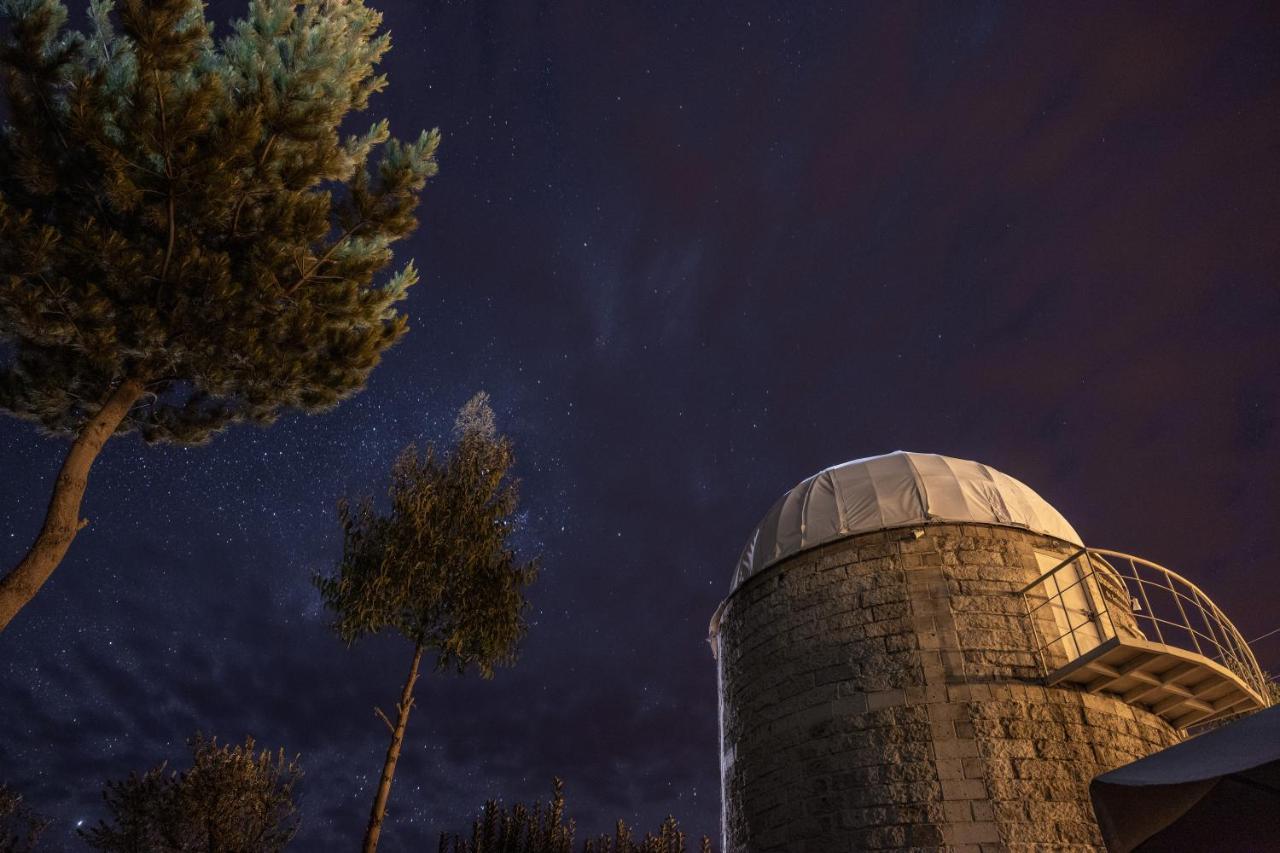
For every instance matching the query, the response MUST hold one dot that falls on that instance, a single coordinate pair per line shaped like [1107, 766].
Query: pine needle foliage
[233, 798]
[543, 829]
[184, 212]
[187, 238]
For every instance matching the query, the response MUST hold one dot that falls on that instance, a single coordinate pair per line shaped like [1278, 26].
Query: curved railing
[1172, 610]
[1124, 593]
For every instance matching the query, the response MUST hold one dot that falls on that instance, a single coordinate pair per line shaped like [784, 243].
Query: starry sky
[696, 252]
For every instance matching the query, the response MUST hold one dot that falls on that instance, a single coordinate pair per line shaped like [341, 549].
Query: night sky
[696, 253]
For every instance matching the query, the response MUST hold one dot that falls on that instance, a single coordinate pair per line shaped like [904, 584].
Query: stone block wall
[881, 693]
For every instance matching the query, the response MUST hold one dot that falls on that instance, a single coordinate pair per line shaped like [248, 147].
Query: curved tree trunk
[393, 753]
[62, 519]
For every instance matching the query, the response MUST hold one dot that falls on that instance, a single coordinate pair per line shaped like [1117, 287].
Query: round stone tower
[882, 677]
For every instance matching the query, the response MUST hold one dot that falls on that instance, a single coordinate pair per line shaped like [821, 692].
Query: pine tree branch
[66, 312]
[324, 259]
[383, 717]
[262, 161]
[168, 172]
[49, 112]
[141, 168]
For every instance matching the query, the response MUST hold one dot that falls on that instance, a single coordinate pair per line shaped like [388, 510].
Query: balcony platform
[1180, 686]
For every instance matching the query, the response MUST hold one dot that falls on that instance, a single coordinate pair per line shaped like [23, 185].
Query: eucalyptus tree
[437, 567]
[186, 239]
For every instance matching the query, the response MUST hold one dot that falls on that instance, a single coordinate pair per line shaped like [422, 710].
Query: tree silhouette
[233, 800]
[186, 242]
[436, 569]
[542, 829]
[20, 825]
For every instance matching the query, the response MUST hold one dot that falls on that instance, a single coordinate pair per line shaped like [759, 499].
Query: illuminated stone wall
[880, 693]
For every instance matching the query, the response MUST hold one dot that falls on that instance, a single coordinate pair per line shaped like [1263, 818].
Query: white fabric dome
[894, 490]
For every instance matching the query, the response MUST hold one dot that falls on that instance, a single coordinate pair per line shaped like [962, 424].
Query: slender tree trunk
[62, 519]
[393, 754]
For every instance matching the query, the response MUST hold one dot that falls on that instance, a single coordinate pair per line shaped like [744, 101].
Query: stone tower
[882, 669]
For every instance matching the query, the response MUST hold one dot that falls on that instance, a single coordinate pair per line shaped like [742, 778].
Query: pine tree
[186, 241]
[231, 799]
[437, 568]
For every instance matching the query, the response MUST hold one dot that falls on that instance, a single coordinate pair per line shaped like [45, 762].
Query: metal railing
[1095, 595]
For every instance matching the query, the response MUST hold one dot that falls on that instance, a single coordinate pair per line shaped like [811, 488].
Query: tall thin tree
[186, 241]
[437, 568]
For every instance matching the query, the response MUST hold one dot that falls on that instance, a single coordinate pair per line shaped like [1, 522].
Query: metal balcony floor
[1182, 687]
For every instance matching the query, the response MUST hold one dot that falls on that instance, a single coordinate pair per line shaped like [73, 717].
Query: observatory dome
[894, 490]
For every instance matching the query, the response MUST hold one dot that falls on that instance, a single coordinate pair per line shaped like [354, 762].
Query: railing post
[1177, 599]
[1223, 643]
[1101, 596]
[1146, 602]
[1035, 635]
